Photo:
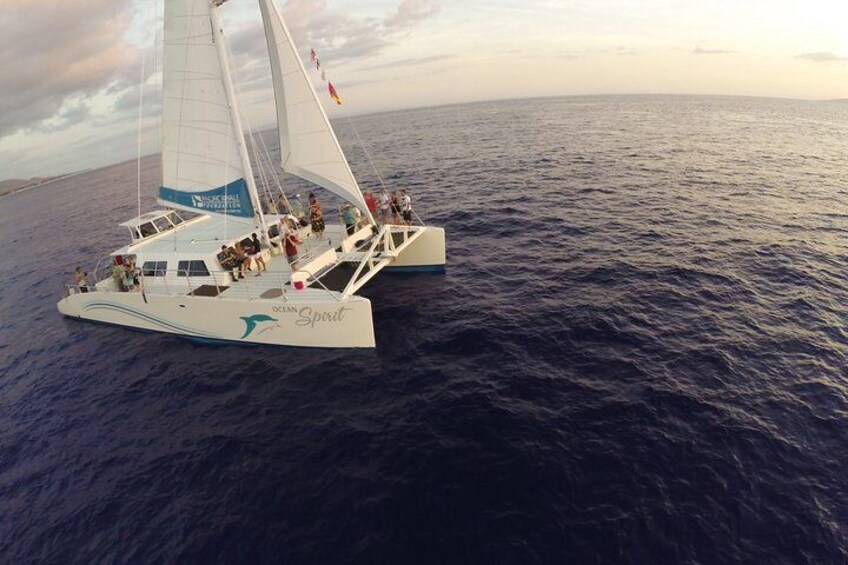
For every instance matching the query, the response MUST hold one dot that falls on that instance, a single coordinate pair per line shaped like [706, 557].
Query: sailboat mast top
[223, 55]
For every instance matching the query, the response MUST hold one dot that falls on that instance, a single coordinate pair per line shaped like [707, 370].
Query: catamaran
[209, 199]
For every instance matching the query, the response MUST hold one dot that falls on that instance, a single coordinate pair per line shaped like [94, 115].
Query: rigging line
[273, 169]
[264, 158]
[238, 109]
[251, 133]
[140, 120]
[367, 154]
[259, 167]
[158, 80]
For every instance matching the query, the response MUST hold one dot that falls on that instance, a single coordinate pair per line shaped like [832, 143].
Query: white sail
[308, 146]
[201, 162]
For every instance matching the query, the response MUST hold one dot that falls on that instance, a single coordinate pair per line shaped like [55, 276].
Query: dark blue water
[637, 355]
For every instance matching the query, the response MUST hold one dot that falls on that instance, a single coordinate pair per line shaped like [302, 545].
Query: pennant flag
[334, 95]
[313, 56]
[318, 64]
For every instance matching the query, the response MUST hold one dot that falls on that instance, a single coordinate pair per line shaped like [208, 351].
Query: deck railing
[178, 282]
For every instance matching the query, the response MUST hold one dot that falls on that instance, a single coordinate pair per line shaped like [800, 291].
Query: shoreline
[39, 185]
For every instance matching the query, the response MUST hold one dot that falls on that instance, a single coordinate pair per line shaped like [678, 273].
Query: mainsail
[308, 146]
[202, 167]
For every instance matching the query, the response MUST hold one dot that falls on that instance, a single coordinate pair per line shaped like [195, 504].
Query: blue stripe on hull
[417, 269]
[222, 342]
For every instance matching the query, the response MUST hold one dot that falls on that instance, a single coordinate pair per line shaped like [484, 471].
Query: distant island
[11, 186]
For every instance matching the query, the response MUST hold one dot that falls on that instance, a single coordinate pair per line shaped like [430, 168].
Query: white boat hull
[426, 253]
[298, 323]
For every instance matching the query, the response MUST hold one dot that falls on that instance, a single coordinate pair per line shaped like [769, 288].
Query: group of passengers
[125, 275]
[242, 256]
[396, 206]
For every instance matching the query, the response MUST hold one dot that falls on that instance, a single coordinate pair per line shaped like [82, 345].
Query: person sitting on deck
[228, 261]
[255, 254]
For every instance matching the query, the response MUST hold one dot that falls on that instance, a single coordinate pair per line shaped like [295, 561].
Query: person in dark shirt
[255, 253]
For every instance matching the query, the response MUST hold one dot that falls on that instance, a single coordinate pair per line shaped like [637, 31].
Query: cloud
[699, 51]
[822, 57]
[337, 36]
[411, 12]
[73, 111]
[53, 65]
[411, 62]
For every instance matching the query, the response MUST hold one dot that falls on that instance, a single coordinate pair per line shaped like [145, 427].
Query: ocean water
[637, 355]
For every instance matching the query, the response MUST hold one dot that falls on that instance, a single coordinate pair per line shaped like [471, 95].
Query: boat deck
[326, 266]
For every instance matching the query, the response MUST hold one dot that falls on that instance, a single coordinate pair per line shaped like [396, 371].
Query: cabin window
[192, 269]
[154, 268]
[134, 233]
[147, 229]
[175, 218]
[162, 224]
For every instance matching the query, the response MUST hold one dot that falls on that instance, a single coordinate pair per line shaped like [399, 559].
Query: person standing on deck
[349, 216]
[371, 203]
[118, 274]
[282, 206]
[256, 255]
[385, 203]
[79, 278]
[316, 216]
[395, 208]
[291, 243]
[406, 207]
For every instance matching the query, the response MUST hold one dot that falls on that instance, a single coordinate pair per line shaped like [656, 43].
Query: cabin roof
[200, 236]
[146, 218]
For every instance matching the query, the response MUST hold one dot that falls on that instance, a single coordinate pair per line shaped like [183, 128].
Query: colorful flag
[334, 95]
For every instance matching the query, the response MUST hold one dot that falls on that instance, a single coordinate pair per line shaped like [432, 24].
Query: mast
[223, 55]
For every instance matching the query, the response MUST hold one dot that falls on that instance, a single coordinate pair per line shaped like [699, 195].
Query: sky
[71, 72]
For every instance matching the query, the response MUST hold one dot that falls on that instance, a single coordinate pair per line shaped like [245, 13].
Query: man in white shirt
[406, 207]
[385, 202]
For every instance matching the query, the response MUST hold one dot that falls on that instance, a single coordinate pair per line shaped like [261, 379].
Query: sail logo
[216, 202]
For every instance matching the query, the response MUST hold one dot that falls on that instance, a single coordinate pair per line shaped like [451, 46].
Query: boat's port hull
[426, 253]
[323, 322]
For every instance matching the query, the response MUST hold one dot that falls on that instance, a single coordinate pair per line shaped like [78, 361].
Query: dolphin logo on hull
[252, 321]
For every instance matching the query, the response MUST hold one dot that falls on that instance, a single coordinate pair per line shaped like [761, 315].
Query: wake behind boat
[183, 271]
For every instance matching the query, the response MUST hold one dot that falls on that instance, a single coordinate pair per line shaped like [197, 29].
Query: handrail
[312, 276]
[369, 258]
